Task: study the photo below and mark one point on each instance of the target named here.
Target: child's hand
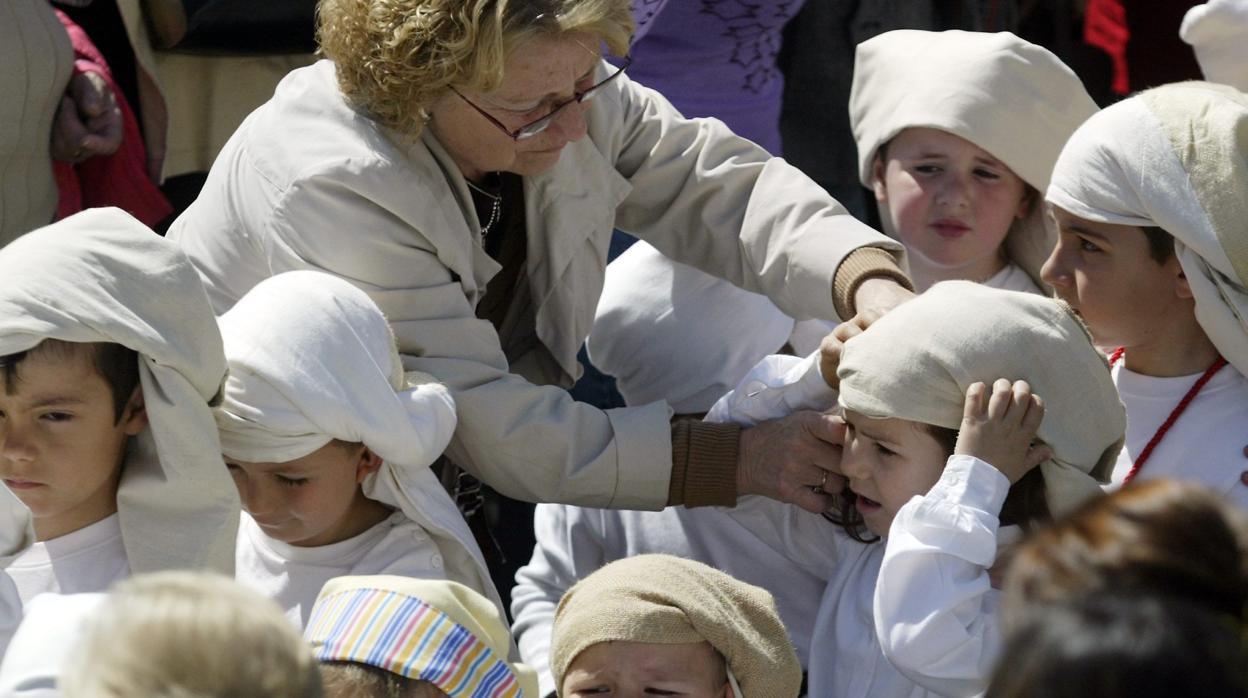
(1000, 429)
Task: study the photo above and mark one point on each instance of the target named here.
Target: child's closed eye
(292, 481)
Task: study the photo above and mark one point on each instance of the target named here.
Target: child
(917, 440)
(1153, 254)
(330, 445)
(110, 357)
(1156, 537)
(657, 624)
(957, 133)
(413, 638)
(188, 634)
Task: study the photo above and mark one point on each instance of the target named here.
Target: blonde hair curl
(396, 58)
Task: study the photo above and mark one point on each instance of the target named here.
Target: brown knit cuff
(704, 464)
(858, 266)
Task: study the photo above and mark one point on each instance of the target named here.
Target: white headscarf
(1175, 157)
(102, 276)
(36, 656)
(1218, 33)
(670, 332)
(1010, 97)
(917, 361)
(312, 359)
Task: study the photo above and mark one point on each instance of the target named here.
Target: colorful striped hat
(431, 630)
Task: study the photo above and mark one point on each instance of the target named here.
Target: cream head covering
(36, 656)
(426, 629)
(313, 359)
(667, 331)
(101, 276)
(917, 361)
(670, 600)
(1012, 98)
(1218, 33)
(1175, 157)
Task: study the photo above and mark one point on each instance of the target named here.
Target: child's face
(61, 446)
(949, 201)
(887, 462)
(640, 669)
(1107, 274)
(309, 501)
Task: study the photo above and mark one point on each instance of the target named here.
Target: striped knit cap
(425, 629)
(664, 599)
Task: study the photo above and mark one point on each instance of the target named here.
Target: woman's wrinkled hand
(795, 459)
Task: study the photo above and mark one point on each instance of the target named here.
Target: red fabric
(1105, 27)
(119, 179)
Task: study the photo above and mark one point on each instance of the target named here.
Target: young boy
(329, 444)
(957, 134)
(413, 638)
(1153, 254)
(110, 356)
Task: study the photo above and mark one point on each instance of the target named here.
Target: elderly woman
(465, 163)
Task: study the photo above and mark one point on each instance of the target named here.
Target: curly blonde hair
(395, 58)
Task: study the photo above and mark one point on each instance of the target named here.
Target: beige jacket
(307, 183)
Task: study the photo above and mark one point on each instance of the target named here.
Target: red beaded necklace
(1192, 392)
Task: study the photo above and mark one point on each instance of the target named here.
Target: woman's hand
(1001, 429)
(88, 121)
(795, 459)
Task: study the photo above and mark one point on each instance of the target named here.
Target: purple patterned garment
(716, 58)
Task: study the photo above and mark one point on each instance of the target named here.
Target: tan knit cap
(669, 600)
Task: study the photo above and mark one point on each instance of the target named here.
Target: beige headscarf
(1012, 98)
(917, 362)
(312, 359)
(1218, 33)
(670, 600)
(1175, 157)
(102, 276)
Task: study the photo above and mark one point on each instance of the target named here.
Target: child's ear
(367, 464)
(1024, 204)
(1182, 288)
(134, 415)
(877, 180)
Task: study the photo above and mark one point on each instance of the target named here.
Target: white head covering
(1175, 157)
(917, 361)
(667, 331)
(101, 276)
(36, 656)
(1218, 33)
(1012, 98)
(313, 359)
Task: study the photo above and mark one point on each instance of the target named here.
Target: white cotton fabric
(36, 657)
(93, 558)
(313, 359)
(1175, 157)
(667, 331)
(917, 362)
(1218, 33)
(101, 276)
(1010, 97)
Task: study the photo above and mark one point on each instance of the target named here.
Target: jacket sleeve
(715, 201)
(571, 544)
(935, 610)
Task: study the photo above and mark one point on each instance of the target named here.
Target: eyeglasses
(535, 127)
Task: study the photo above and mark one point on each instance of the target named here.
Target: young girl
(330, 443)
(957, 132)
(941, 477)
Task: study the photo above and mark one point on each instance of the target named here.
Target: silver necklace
(496, 205)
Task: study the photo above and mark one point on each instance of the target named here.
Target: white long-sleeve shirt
(928, 627)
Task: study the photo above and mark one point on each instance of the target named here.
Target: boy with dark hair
(110, 356)
(1153, 254)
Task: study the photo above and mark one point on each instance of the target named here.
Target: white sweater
(1205, 445)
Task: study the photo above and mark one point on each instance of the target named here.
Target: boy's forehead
(52, 366)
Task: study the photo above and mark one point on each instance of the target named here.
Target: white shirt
(89, 559)
(936, 616)
(1013, 278)
(573, 542)
(1206, 444)
(293, 576)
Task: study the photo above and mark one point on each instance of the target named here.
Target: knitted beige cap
(669, 600)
